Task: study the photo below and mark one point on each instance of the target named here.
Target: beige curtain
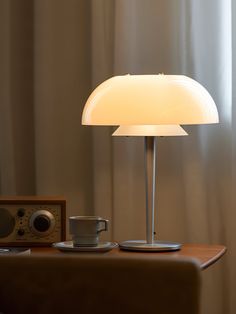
(194, 174)
(53, 52)
(45, 79)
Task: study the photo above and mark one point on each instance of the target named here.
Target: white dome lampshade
(149, 100)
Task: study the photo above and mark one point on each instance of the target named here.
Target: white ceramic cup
(85, 229)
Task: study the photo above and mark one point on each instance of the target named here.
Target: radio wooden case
(32, 220)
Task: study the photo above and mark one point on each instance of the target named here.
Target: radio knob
(21, 232)
(7, 223)
(21, 212)
(42, 223)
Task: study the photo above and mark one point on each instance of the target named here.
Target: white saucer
(68, 246)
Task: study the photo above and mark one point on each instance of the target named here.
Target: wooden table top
(205, 254)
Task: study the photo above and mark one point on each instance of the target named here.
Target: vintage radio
(32, 220)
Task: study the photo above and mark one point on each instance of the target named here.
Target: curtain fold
(17, 88)
(63, 148)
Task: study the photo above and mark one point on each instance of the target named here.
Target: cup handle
(104, 225)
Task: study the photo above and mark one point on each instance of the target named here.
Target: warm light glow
(149, 130)
(149, 100)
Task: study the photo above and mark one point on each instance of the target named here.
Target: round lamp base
(143, 246)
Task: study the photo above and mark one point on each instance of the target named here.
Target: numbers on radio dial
(42, 223)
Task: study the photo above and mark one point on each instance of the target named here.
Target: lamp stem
(150, 143)
(150, 245)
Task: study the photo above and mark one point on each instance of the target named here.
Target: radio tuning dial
(7, 223)
(42, 222)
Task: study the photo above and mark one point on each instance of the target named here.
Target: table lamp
(149, 106)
